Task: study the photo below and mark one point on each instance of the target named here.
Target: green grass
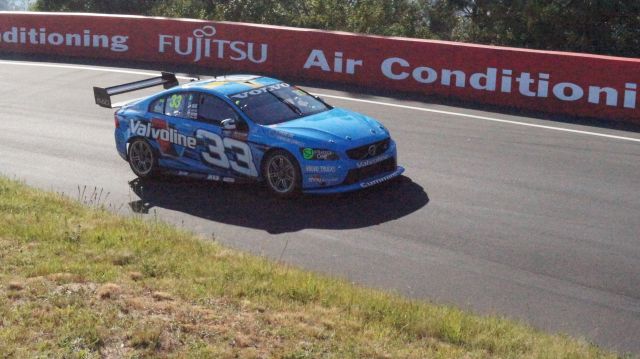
(83, 282)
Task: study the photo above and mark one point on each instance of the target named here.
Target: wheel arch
(297, 187)
(133, 138)
(275, 149)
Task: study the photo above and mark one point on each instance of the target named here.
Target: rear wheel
(142, 158)
(282, 174)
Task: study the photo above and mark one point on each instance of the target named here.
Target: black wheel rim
(281, 174)
(141, 158)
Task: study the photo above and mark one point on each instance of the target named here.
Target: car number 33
(215, 153)
(250, 129)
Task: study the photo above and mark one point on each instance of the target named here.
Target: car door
(223, 135)
(170, 130)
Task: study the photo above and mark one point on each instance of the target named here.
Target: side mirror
(228, 124)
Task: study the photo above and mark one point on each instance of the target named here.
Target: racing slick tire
(142, 158)
(282, 174)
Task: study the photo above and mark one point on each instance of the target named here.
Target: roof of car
(231, 84)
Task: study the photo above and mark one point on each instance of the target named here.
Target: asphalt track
(529, 218)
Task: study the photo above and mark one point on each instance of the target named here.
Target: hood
(339, 125)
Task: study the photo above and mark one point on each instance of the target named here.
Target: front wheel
(142, 158)
(282, 174)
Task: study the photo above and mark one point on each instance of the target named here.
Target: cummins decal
(380, 180)
(203, 45)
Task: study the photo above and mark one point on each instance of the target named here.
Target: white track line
(450, 113)
(89, 68)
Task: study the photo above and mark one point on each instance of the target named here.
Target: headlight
(318, 154)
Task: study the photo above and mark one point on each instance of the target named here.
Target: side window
(182, 104)
(214, 110)
(157, 106)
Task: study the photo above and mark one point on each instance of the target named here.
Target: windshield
(277, 103)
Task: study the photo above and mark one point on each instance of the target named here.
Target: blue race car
(250, 128)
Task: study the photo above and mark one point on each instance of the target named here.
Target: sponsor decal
(272, 132)
(318, 154)
(324, 155)
(103, 101)
(238, 135)
(372, 161)
(307, 153)
(284, 137)
(322, 180)
(84, 38)
(379, 180)
(320, 169)
(218, 178)
(289, 140)
(203, 45)
(507, 81)
(170, 135)
(260, 91)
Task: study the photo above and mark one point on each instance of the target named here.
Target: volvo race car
(250, 128)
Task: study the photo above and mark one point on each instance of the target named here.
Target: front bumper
(369, 182)
(347, 174)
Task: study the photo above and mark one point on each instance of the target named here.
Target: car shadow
(254, 207)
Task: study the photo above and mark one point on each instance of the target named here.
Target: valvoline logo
(166, 136)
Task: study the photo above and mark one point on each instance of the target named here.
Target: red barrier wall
(554, 82)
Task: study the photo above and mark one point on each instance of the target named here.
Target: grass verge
(83, 282)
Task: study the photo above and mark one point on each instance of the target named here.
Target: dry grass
(161, 296)
(136, 276)
(109, 291)
(78, 282)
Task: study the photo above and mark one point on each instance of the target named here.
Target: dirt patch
(15, 286)
(5, 243)
(123, 258)
(109, 291)
(73, 288)
(115, 350)
(160, 296)
(136, 276)
(65, 278)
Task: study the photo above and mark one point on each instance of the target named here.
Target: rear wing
(103, 95)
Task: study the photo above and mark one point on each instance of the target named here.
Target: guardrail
(554, 82)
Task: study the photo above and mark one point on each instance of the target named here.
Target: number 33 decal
(215, 154)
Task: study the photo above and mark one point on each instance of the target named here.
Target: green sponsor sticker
(307, 153)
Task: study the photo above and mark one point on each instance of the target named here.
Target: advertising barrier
(553, 82)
